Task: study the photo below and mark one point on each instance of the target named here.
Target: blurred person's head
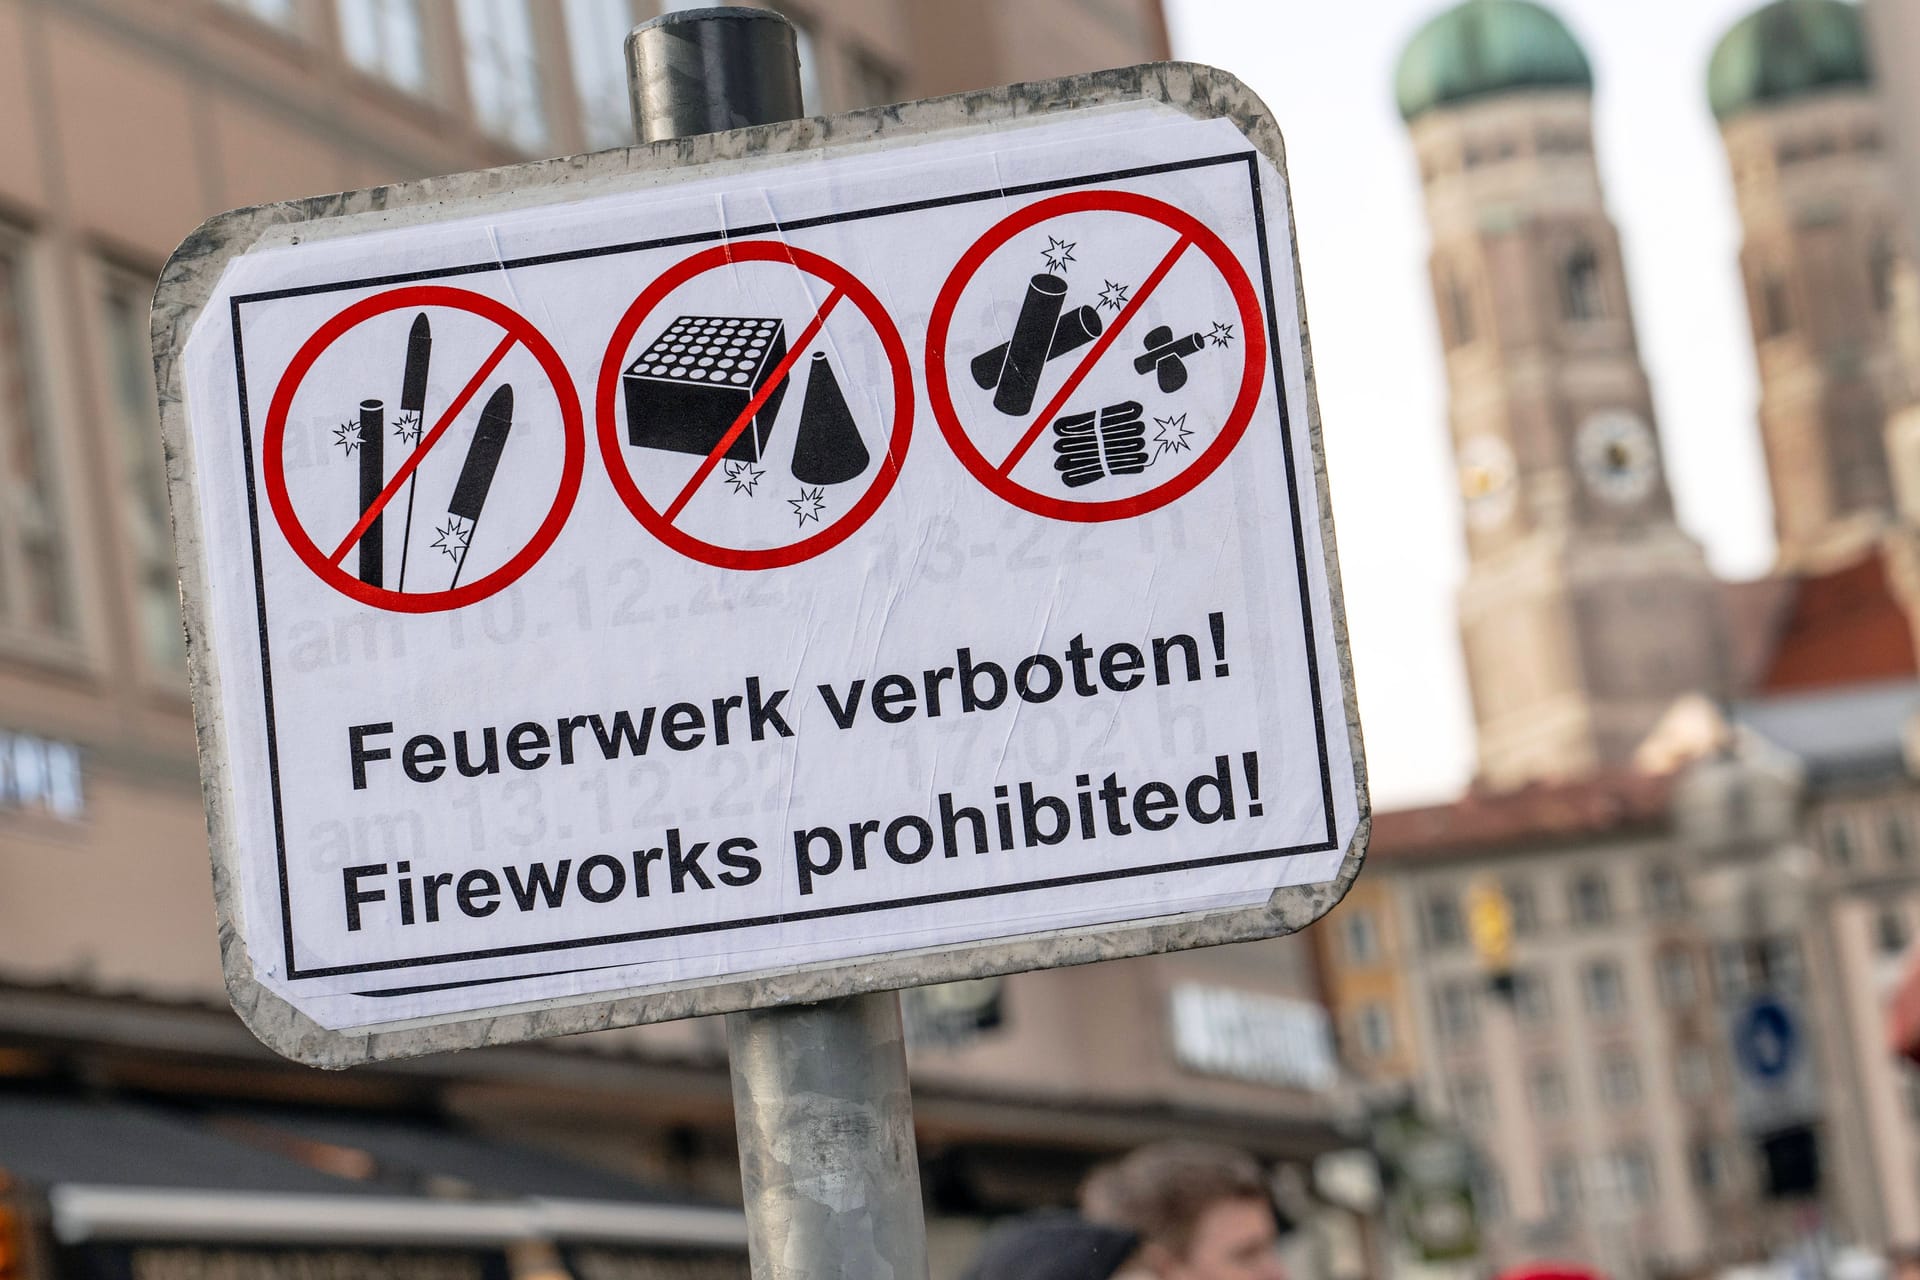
(1052, 1246)
(1203, 1212)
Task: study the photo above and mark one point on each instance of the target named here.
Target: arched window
(1880, 268)
(1776, 314)
(1457, 303)
(1580, 296)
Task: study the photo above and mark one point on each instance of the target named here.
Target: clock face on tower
(1617, 456)
(1487, 481)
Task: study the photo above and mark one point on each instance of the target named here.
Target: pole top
(714, 13)
(705, 70)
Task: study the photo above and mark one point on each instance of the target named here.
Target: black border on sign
(1249, 158)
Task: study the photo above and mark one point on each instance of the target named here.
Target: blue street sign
(1766, 1041)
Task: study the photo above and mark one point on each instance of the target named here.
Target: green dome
(1789, 48)
(1485, 47)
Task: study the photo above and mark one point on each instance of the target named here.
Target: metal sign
(812, 559)
(1777, 1082)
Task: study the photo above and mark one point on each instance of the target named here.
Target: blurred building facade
(1669, 1046)
(1586, 609)
(127, 122)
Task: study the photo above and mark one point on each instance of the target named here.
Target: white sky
(1326, 72)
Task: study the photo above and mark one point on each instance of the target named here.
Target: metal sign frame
(189, 280)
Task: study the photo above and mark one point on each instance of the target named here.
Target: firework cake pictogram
(690, 385)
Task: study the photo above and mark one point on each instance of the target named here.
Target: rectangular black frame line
(1249, 158)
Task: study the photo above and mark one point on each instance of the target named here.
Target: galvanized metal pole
(820, 1094)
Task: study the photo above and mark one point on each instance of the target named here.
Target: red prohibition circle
(1252, 328)
(606, 394)
(273, 448)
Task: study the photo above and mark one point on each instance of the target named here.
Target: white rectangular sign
(800, 572)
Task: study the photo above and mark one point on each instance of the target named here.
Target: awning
(116, 1171)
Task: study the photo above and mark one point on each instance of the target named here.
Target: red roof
(1542, 812)
(1843, 627)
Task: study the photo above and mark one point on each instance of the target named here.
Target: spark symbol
(347, 436)
(1114, 295)
(743, 476)
(407, 428)
(1221, 333)
(1058, 253)
(1173, 436)
(452, 536)
(809, 504)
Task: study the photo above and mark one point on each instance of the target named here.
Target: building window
(1839, 841)
(1620, 1079)
(385, 38)
(1708, 1160)
(1523, 910)
(1632, 1175)
(33, 589)
(1666, 892)
(1473, 1102)
(1786, 968)
(1359, 939)
(1732, 970)
(1456, 1012)
(1679, 986)
(1532, 997)
(503, 70)
(1562, 1185)
(1489, 1192)
(874, 82)
(1890, 931)
(1776, 315)
(1693, 1073)
(1591, 901)
(1547, 1090)
(1605, 993)
(596, 42)
(1440, 921)
(1580, 293)
(1373, 1031)
(1456, 310)
(275, 13)
(143, 503)
(1897, 833)
(1882, 265)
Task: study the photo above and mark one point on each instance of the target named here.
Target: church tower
(1820, 213)
(1586, 610)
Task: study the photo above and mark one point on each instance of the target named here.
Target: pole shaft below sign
(829, 1172)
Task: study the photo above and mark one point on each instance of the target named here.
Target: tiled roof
(1543, 813)
(1844, 627)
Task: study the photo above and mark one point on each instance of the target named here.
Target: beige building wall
(1571, 1090)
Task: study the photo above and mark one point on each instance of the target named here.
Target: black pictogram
(373, 478)
(827, 448)
(413, 414)
(1073, 330)
(1099, 456)
(360, 338)
(1040, 333)
(845, 453)
(1166, 355)
(686, 391)
(1088, 447)
(476, 471)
